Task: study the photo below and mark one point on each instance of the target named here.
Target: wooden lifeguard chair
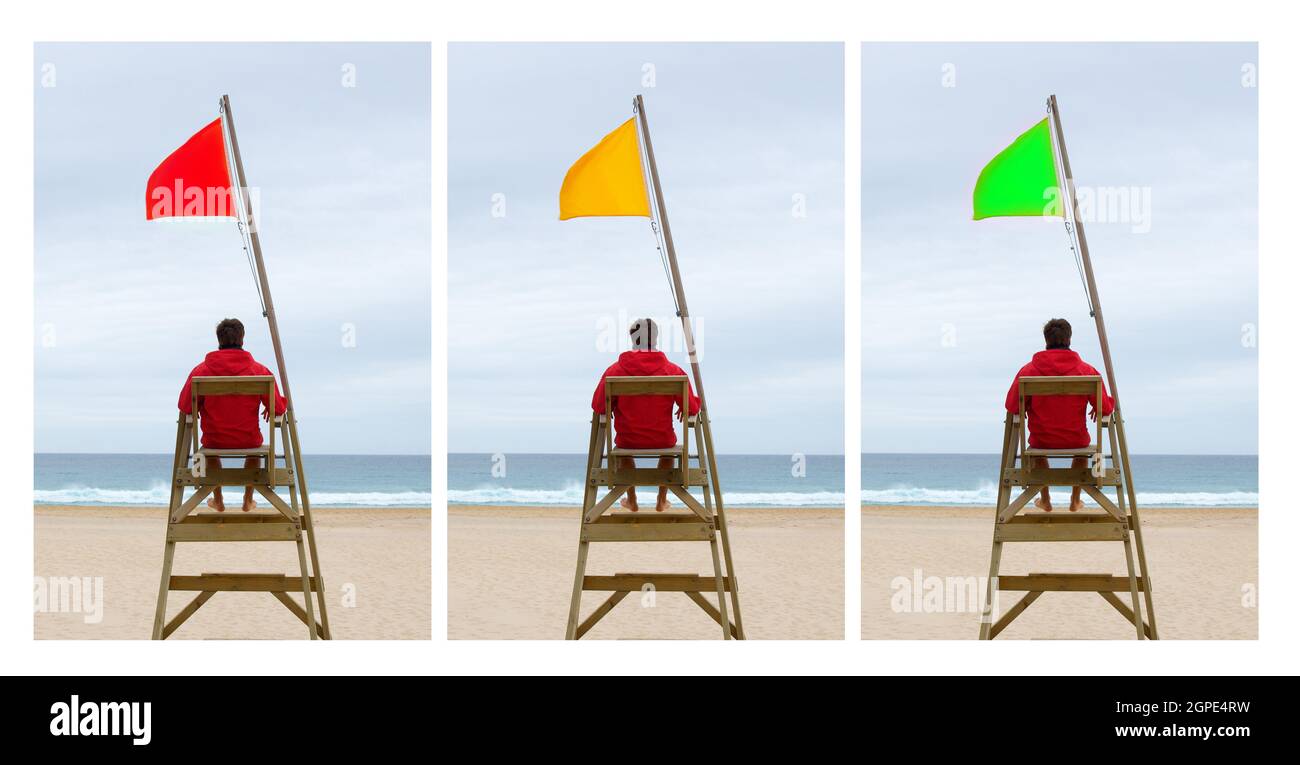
(706, 521)
(1117, 523)
(290, 523)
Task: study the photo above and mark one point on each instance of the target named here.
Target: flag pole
(264, 284)
(703, 418)
(678, 289)
(1117, 418)
(268, 310)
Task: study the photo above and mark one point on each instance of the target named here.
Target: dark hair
(645, 334)
(230, 334)
(1057, 334)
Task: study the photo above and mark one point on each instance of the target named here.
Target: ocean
(1175, 480)
(887, 479)
(333, 480)
(748, 480)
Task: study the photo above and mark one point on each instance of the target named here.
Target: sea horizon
(139, 478)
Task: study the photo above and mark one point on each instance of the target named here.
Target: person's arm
(1013, 395)
(184, 403)
(598, 398)
(1107, 402)
(694, 399)
(281, 405)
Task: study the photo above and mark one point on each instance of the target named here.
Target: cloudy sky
(125, 308)
(953, 307)
(749, 141)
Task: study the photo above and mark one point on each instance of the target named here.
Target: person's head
(645, 335)
(230, 334)
(1057, 333)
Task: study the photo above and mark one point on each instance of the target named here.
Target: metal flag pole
(1117, 420)
(679, 293)
(268, 310)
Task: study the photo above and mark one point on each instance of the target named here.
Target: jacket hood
(231, 362)
(1056, 362)
(643, 362)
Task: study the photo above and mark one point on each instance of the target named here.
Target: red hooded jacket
(1057, 422)
(229, 422)
(643, 422)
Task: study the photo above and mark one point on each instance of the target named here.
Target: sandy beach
(379, 555)
(1204, 568)
(510, 572)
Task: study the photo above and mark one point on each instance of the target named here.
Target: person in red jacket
(1058, 422)
(644, 422)
(230, 422)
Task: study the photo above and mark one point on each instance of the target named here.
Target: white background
(664, 20)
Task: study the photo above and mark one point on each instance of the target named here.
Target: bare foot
(217, 503)
(662, 504)
(249, 504)
(628, 504)
(1046, 507)
(1076, 505)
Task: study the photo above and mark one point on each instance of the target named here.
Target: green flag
(1021, 179)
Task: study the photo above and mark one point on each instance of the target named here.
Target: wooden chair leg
(722, 592)
(1133, 586)
(986, 618)
(160, 614)
(306, 590)
(571, 630)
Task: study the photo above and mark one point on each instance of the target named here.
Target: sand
(510, 572)
(379, 555)
(1204, 566)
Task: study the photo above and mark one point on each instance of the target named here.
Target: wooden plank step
(1058, 477)
(660, 582)
(226, 530)
(647, 531)
(1067, 583)
(1060, 532)
(210, 582)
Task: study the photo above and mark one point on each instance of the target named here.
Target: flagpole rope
(655, 228)
(1067, 215)
(241, 216)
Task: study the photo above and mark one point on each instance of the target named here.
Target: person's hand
(1092, 413)
(266, 414)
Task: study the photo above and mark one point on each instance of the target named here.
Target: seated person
(1058, 422)
(644, 422)
(230, 422)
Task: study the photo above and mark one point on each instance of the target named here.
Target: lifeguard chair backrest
(262, 386)
(1071, 385)
(659, 385)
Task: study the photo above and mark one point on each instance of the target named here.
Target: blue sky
(125, 308)
(742, 133)
(953, 307)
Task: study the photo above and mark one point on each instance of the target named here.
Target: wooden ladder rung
(660, 582)
(1067, 583)
(644, 530)
(213, 582)
(1098, 531)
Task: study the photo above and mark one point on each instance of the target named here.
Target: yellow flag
(607, 180)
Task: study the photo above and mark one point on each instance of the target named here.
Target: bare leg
(1044, 502)
(254, 463)
(661, 503)
(1076, 502)
(216, 502)
(628, 502)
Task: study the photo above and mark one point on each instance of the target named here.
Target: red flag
(194, 180)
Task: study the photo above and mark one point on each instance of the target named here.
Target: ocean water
(333, 480)
(1175, 480)
(887, 479)
(748, 480)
